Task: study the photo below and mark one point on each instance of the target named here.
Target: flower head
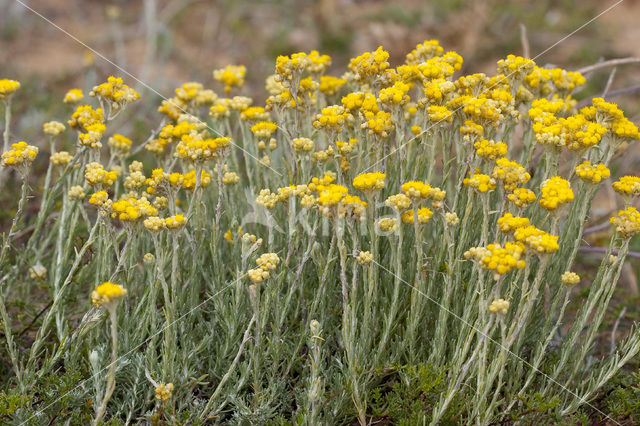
(107, 294)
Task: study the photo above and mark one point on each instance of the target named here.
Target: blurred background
(166, 42)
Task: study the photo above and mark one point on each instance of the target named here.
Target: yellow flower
(555, 192)
(163, 392)
(107, 293)
(331, 118)
(115, 91)
(369, 65)
(490, 150)
(77, 193)
(195, 148)
(498, 259)
(499, 306)
(120, 144)
(399, 202)
(592, 173)
(73, 96)
(154, 223)
(451, 218)
(379, 124)
(331, 85)
(132, 209)
(508, 223)
(264, 129)
(522, 197)
(364, 257)
(60, 158)
(423, 214)
(175, 222)
(423, 51)
(570, 278)
(53, 128)
(480, 182)
(628, 186)
(96, 175)
(230, 76)
(254, 113)
(537, 239)
(21, 155)
(369, 181)
(388, 224)
(627, 222)
(510, 173)
(8, 87)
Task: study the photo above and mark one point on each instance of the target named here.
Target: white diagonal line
(495, 84)
(77, 40)
(493, 340)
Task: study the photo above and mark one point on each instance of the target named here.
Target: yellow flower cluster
(73, 96)
(522, 197)
(369, 65)
(132, 209)
(438, 114)
(264, 129)
(480, 182)
(592, 173)
(423, 51)
(8, 87)
(98, 199)
(555, 192)
(420, 190)
(120, 144)
(570, 278)
(331, 118)
(388, 224)
(365, 102)
(290, 68)
(76, 192)
(395, 95)
(364, 257)
(115, 91)
(163, 392)
(107, 293)
(499, 306)
(451, 218)
(399, 202)
(189, 180)
(508, 223)
(538, 240)
(267, 262)
(379, 124)
(197, 149)
(303, 145)
(53, 128)
(369, 181)
(254, 113)
(515, 68)
(627, 222)
(96, 175)
(490, 150)
(628, 186)
(330, 85)
(498, 259)
(20, 155)
(61, 158)
(510, 173)
(230, 76)
(423, 215)
(175, 222)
